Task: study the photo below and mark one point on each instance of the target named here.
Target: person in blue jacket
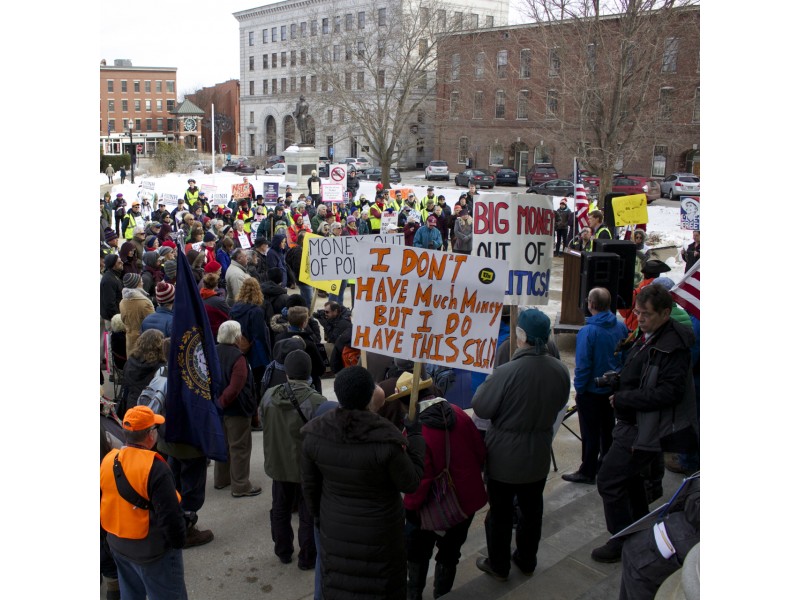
(595, 355)
(428, 237)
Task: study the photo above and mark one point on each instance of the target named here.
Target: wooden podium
(571, 318)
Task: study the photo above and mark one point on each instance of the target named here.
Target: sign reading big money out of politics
(429, 306)
(517, 229)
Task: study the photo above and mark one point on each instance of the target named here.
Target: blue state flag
(193, 415)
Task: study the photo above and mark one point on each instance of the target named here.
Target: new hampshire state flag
(192, 414)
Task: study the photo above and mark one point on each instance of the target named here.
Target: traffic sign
(138, 147)
(224, 146)
(338, 173)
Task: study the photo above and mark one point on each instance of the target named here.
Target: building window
(480, 61)
(454, 104)
(283, 59)
(170, 105)
(137, 105)
(381, 49)
(330, 116)
(274, 86)
(348, 51)
(522, 104)
(325, 26)
(496, 155)
(293, 31)
(423, 48)
(341, 115)
(362, 19)
(337, 24)
(455, 67)
(110, 106)
(525, 63)
(696, 111)
(348, 80)
(665, 104)
(303, 29)
(265, 87)
(348, 22)
(502, 64)
(159, 105)
(250, 38)
(360, 80)
(362, 50)
(422, 82)
(302, 57)
(477, 105)
(136, 87)
(591, 57)
(252, 117)
(171, 86)
(274, 60)
(264, 36)
(489, 21)
(283, 85)
(265, 61)
(458, 21)
(314, 27)
(170, 124)
(293, 84)
(148, 105)
(274, 34)
(283, 33)
(110, 85)
(124, 106)
(552, 104)
(420, 145)
(381, 79)
(251, 63)
(463, 150)
(148, 123)
(500, 105)
(659, 167)
(252, 88)
(475, 20)
(421, 117)
(337, 53)
(303, 83)
(293, 58)
(159, 124)
(324, 83)
(554, 63)
(669, 63)
(138, 124)
(441, 19)
(381, 17)
(112, 125)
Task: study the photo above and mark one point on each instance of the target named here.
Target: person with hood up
(152, 273)
(285, 408)
(133, 308)
(462, 232)
(297, 318)
(128, 255)
(276, 259)
(248, 312)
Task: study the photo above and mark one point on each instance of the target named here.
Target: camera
(609, 379)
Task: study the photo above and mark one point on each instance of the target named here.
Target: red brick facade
(225, 97)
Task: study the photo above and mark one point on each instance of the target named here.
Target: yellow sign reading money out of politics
(332, 287)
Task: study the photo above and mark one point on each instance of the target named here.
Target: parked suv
(359, 164)
(539, 173)
(437, 169)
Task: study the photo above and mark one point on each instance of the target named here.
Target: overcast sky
(200, 38)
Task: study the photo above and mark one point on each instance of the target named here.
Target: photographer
(655, 410)
(594, 356)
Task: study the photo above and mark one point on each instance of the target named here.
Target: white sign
(388, 219)
(148, 189)
(244, 240)
(334, 257)
(218, 198)
(338, 173)
(424, 305)
(518, 229)
(690, 213)
(314, 188)
(332, 192)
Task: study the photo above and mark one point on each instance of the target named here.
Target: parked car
(374, 174)
(359, 164)
(506, 176)
(239, 167)
(277, 169)
(680, 184)
(589, 178)
(476, 176)
(539, 173)
(437, 169)
(554, 187)
(271, 160)
(636, 184)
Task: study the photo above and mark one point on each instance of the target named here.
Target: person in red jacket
(441, 421)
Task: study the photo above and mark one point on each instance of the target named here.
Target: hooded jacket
(276, 258)
(136, 375)
(254, 328)
(133, 308)
(110, 291)
(594, 351)
(355, 464)
(234, 277)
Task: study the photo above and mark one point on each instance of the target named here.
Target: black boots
(417, 572)
(443, 578)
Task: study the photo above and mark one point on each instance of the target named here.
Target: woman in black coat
(146, 358)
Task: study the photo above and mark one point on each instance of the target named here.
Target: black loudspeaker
(626, 250)
(599, 269)
(608, 210)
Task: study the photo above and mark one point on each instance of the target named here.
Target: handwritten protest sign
(518, 229)
(330, 286)
(629, 210)
(388, 219)
(334, 257)
(426, 305)
(332, 192)
(690, 213)
(240, 190)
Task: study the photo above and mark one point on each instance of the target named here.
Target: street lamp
(132, 148)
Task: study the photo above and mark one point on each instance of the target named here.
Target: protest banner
(208, 189)
(333, 257)
(629, 210)
(388, 219)
(169, 199)
(690, 213)
(271, 192)
(424, 305)
(240, 190)
(148, 190)
(332, 192)
(518, 229)
(217, 198)
(330, 286)
(399, 194)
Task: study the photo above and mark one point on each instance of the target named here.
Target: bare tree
(610, 74)
(377, 79)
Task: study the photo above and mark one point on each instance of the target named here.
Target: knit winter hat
(285, 347)
(110, 260)
(165, 292)
(171, 269)
(131, 280)
(212, 267)
(169, 244)
(164, 250)
(150, 259)
(148, 243)
(110, 234)
(298, 365)
(209, 237)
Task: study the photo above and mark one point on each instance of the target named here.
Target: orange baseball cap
(140, 418)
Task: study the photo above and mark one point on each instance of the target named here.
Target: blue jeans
(307, 293)
(159, 580)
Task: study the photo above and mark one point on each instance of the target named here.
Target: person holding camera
(594, 357)
(140, 511)
(655, 410)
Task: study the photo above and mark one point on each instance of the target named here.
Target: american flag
(581, 201)
(686, 292)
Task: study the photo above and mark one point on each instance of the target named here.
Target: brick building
(225, 97)
(517, 95)
(144, 95)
